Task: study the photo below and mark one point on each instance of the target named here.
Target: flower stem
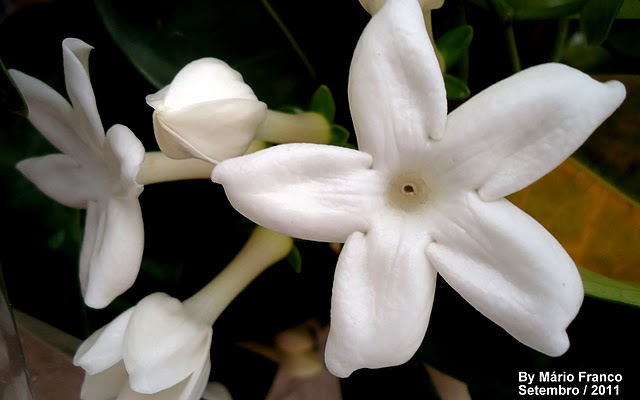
(280, 127)
(511, 46)
(263, 249)
(159, 168)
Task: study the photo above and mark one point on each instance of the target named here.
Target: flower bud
(207, 112)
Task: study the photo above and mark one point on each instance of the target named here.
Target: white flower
(373, 6)
(95, 172)
(154, 348)
(207, 112)
(425, 195)
(160, 348)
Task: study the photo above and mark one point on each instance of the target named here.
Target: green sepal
(11, 99)
(602, 287)
(596, 19)
(456, 88)
(340, 136)
(322, 102)
(294, 258)
(454, 44)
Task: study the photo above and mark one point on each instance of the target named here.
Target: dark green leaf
(339, 136)
(630, 10)
(596, 19)
(161, 37)
(322, 102)
(10, 98)
(605, 288)
(294, 258)
(532, 9)
(456, 88)
(454, 44)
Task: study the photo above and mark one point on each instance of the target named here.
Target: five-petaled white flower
(156, 348)
(425, 195)
(95, 172)
(207, 112)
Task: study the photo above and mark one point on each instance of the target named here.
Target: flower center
(408, 191)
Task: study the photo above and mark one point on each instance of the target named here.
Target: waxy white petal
(508, 267)
(382, 295)
(52, 116)
(124, 155)
(103, 349)
(111, 249)
(163, 346)
(75, 55)
(372, 6)
(396, 89)
(63, 179)
(309, 191)
(519, 129)
(203, 80)
(106, 385)
(212, 131)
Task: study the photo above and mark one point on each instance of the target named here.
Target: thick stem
(159, 168)
(263, 249)
(280, 127)
(511, 46)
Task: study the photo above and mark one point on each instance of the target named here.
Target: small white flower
(154, 348)
(95, 172)
(207, 112)
(425, 195)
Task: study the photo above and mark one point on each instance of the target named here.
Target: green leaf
(322, 102)
(597, 17)
(630, 10)
(599, 286)
(454, 44)
(340, 136)
(532, 9)
(162, 36)
(10, 98)
(294, 258)
(456, 88)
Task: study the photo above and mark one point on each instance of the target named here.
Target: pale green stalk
(159, 168)
(263, 249)
(308, 127)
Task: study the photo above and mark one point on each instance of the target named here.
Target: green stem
(159, 168)
(280, 127)
(511, 46)
(561, 38)
(263, 249)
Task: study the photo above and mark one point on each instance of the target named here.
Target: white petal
(519, 129)
(52, 116)
(204, 80)
(75, 54)
(212, 131)
(63, 179)
(103, 349)
(106, 385)
(111, 249)
(372, 6)
(509, 268)
(308, 191)
(382, 296)
(163, 345)
(396, 89)
(124, 155)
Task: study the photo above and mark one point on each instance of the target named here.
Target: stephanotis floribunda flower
(94, 171)
(207, 112)
(372, 6)
(160, 349)
(425, 195)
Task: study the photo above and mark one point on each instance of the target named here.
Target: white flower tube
(207, 112)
